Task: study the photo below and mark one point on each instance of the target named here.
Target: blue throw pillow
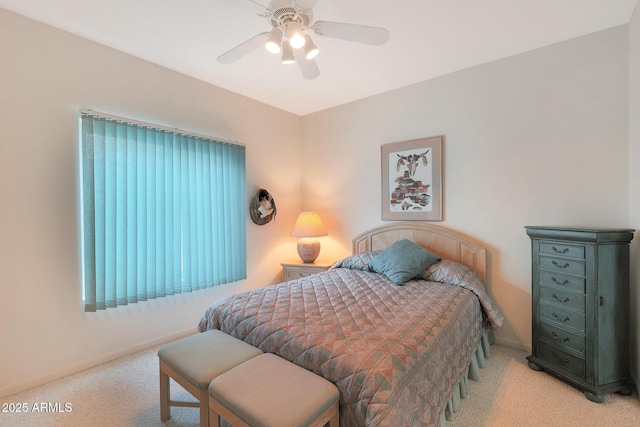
(403, 261)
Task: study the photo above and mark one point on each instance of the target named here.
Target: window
(163, 211)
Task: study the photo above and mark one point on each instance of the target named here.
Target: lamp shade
(287, 54)
(308, 224)
(274, 41)
(310, 49)
(293, 32)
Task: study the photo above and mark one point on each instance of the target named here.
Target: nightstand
(297, 269)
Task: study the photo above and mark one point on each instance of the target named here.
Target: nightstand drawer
(562, 359)
(562, 265)
(560, 249)
(562, 337)
(293, 274)
(298, 270)
(563, 317)
(563, 281)
(564, 299)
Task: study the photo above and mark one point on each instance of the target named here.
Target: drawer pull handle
(559, 360)
(564, 300)
(563, 251)
(557, 337)
(566, 264)
(558, 282)
(566, 319)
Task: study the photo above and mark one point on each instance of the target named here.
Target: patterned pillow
(403, 261)
(357, 261)
(456, 274)
(447, 271)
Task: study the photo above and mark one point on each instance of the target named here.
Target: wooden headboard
(443, 242)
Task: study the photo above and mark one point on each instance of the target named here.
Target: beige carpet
(125, 393)
(511, 394)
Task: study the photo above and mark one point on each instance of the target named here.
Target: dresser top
(586, 234)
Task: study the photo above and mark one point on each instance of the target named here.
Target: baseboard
(6, 391)
(513, 344)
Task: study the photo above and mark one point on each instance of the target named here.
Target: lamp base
(308, 249)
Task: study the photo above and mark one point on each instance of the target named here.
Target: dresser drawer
(562, 359)
(561, 298)
(563, 317)
(562, 265)
(563, 281)
(562, 337)
(561, 249)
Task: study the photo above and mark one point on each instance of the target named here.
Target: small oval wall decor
(263, 207)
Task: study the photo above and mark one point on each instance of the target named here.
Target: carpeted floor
(511, 394)
(125, 393)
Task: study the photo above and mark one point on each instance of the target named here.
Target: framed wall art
(412, 180)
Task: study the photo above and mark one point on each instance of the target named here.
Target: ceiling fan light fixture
(295, 35)
(287, 54)
(310, 49)
(274, 41)
(290, 21)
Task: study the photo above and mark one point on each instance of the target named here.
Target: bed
(400, 354)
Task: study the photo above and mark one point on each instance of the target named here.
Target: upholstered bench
(269, 391)
(193, 362)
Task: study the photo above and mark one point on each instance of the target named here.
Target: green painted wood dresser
(580, 307)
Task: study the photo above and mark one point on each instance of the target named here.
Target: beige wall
(46, 76)
(534, 139)
(634, 184)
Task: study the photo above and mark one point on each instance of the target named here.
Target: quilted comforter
(394, 352)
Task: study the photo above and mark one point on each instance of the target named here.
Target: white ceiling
(429, 38)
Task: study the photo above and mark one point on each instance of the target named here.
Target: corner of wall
(634, 185)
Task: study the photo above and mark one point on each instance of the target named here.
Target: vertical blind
(163, 212)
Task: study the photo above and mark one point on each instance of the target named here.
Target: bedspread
(394, 352)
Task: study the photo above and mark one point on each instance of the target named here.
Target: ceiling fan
(290, 20)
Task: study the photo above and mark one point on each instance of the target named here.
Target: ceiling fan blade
(305, 4)
(308, 67)
(251, 6)
(356, 33)
(243, 48)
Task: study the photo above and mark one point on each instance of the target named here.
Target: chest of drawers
(580, 307)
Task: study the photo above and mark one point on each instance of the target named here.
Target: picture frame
(412, 187)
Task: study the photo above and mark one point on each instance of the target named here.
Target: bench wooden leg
(335, 420)
(204, 408)
(214, 418)
(166, 374)
(217, 410)
(165, 410)
(331, 415)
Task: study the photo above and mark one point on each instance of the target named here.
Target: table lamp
(308, 225)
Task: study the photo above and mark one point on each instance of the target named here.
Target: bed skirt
(478, 360)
